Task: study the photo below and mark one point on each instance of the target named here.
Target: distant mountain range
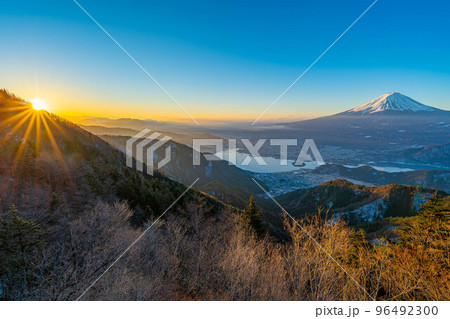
(180, 137)
(137, 124)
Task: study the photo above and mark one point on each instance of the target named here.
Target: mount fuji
(392, 120)
(391, 102)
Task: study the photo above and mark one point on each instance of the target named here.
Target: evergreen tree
(431, 228)
(252, 217)
(19, 238)
(359, 244)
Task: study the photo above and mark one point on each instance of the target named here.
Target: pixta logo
(253, 151)
(142, 147)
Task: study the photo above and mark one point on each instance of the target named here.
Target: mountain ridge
(357, 203)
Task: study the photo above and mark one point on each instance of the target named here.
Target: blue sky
(223, 59)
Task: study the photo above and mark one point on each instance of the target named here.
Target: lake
(273, 165)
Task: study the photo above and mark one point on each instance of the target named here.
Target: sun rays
(24, 124)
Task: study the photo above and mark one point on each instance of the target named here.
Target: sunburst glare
(39, 104)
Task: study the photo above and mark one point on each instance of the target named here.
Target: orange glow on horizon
(76, 108)
(176, 117)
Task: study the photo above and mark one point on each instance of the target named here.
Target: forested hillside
(229, 183)
(48, 163)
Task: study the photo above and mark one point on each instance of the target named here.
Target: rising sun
(38, 104)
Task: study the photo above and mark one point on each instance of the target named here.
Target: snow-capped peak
(392, 102)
